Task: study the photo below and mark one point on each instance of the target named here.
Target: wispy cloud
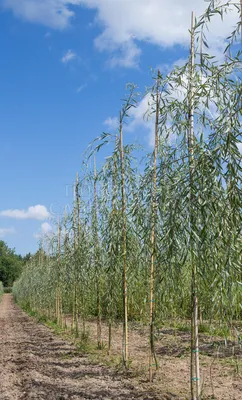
(111, 123)
(6, 231)
(70, 55)
(81, 88)
(38, 212)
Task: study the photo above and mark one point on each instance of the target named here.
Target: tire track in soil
(35, 364)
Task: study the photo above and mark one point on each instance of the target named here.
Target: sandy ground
(35, 364)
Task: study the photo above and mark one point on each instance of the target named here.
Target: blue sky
(63, 70)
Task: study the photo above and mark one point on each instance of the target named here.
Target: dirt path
(35, 364)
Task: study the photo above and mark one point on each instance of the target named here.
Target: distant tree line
(11, 264)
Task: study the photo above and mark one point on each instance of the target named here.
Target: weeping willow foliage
(80, 270)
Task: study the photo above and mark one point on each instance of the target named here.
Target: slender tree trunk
(113, 216)
(109, 336)
(75, 272)
(65, 261)
(124, 250)
(152, 357)
(195, 370)
(48, 248)
(99, 318)
(58, 289)
(97, 263)
(241, 18)
(83, 311)
(77, 243)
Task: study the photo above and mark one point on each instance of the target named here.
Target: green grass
(183, 328)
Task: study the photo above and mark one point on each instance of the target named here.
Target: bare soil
(36, 364)
(220, 361)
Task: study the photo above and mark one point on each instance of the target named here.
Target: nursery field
(142, 272)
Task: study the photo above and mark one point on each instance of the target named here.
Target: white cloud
(6, 231)
(128, 55)
(111, 123)
(46, 229)
(68, 56)
(126, 23)
(55, 14)
(143, 117)
(38, 212)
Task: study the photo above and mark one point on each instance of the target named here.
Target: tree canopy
(10, 264)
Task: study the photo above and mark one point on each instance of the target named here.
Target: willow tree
(152, 357)
(111, 232)
(195, 370)
(124, 244)
(188, 116)
(58, 286)
(97, 256)
(76, 238)
(129, 103)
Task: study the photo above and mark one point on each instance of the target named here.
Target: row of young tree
(161, 238)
